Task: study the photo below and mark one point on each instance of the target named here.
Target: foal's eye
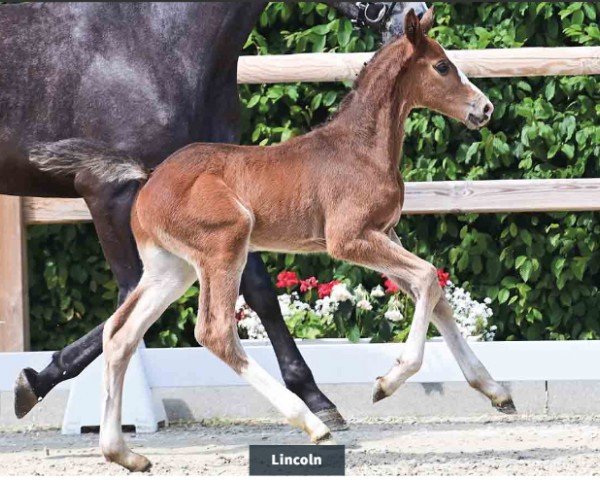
(442, 67)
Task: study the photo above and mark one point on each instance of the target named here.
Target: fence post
(14, 304)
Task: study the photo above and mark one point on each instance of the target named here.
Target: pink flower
(287, 279)
(308, 284)
(390, 286)
(443, 277)
(324, 289)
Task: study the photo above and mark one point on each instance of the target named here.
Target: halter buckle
(373, 18)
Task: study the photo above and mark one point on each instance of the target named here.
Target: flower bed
(335, 309)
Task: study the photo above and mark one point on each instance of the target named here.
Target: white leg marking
(289, 404)
(474, 371)
(165, 279)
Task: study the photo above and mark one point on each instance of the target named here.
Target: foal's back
(273, 186)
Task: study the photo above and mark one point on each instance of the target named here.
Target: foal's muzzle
(480, 115)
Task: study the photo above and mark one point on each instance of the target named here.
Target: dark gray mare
(86, 87)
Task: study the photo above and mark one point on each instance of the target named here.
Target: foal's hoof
(131, 461)
(324, 439)
(25, 396)
(332, 418)
(507, 406)
(138, 463)
(379, 392)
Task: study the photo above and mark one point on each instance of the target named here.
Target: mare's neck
(375, 111)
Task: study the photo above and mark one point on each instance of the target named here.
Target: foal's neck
(375, 111)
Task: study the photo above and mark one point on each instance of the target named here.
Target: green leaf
(578, 266)
(568, 150)
(525, 270)
(353, 333)
(503, 295)
(344, 32)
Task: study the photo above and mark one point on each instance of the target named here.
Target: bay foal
(337, 189)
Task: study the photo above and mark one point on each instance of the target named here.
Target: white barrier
(332, 362)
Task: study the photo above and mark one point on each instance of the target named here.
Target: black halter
(373, 14)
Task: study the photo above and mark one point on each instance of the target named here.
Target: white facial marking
(463, 78)
(465, 81)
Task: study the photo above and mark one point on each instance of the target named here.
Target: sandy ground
(483, 446)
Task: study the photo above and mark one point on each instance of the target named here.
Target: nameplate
(297, 459)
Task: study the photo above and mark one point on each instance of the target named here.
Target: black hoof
(332, 418)
(25, 396)
(507, 407)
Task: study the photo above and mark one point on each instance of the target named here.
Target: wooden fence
(421, 197)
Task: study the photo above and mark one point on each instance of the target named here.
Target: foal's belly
(309, 245)
(285, 236)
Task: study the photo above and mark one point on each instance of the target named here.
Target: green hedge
(541, 270)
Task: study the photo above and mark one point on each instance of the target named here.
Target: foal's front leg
(258, 292)
(217, 330)
(415, 276)
(474, 371)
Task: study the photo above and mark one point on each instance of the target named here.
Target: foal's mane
(400, 47)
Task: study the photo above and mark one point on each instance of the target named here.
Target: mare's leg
(110, 205)
(166, 278)
(257, 289)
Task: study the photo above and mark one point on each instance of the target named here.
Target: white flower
(284, 304)
(394, 303)
(298, 305)
(471, 316)
(394, 315)
(378, 292)
(240, 303)
(361, 293)
(254, 328)
(325, 306)
(487, 300)
(364, 304)
(340, 293)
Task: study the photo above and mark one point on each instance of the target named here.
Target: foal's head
(436, 83)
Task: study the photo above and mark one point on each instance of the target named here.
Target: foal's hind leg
(165, 279)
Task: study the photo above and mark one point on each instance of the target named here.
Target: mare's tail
(75, 155)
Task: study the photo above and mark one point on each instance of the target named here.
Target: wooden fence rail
(421, 197)
(508, 62)
(480, 196)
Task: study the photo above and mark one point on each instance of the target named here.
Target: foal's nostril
(488, 109)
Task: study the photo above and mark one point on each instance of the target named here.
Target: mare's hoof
(25, 396)
(506, 406)
(378, 391)
(332, 418)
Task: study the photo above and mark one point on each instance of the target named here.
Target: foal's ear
(427, 20)
(412, 28)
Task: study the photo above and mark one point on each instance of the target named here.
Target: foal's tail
(77, 155)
